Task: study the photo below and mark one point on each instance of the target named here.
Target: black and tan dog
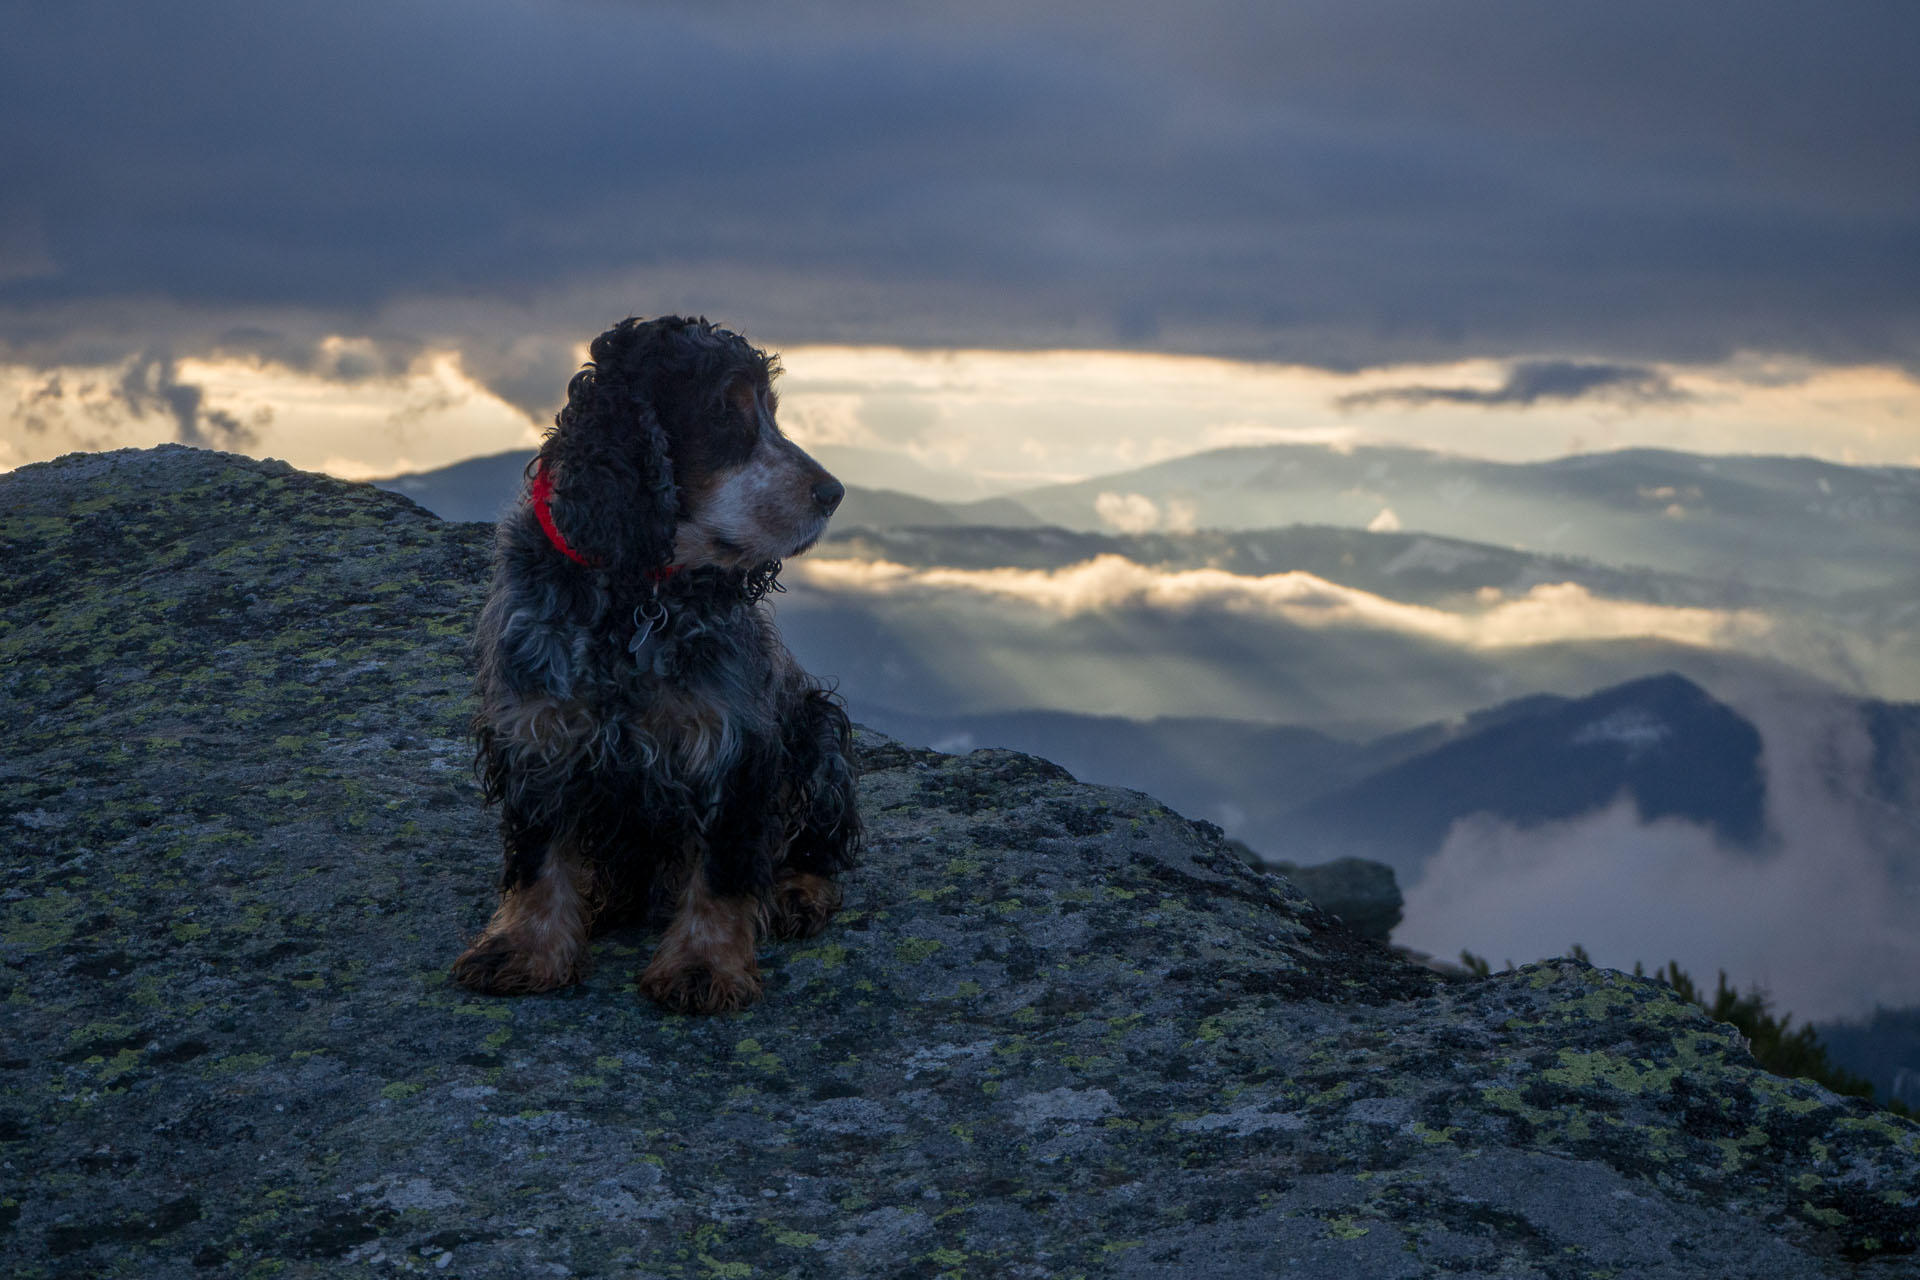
(654, 749)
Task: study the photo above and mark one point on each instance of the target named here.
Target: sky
(1016, 242)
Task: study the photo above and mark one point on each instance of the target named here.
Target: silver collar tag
(648, 618)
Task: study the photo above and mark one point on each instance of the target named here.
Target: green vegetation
(1776, 1046)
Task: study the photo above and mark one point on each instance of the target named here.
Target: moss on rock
(1059, 1030)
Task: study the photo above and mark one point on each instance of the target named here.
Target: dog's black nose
(827, 495)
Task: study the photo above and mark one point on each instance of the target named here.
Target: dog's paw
(497, 965)
(699, 988)
(802, 905)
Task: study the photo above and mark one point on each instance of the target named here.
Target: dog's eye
(739, 428)
(743, 399)
(737, 445)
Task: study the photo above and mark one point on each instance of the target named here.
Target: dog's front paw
(497, 965)
(802, 904)
(692, 987)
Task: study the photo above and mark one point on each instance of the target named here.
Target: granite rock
(1362, 893)
(1059, 1030)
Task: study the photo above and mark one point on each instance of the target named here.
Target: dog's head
(667, 453)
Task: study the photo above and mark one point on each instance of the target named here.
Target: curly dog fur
(654, 749)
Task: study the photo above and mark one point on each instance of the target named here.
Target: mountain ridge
(1796, 523)
(1824, 529)
(483, 488)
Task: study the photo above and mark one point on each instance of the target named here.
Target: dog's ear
(614, 499)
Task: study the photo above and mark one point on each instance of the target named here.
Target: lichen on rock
(1058, 1031)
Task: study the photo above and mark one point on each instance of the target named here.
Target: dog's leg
(820, 745)
(803, 903)
(537, 939)
(705, 963)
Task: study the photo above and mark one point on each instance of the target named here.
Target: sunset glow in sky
(1030, 241)
(1008, 419)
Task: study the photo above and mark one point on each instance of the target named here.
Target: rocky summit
(1059, 1031)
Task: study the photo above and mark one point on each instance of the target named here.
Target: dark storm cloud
(149, 384)
(1532, 381)
(1323, 182)
(307, 353)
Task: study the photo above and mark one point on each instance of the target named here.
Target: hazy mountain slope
(1252, 779)
(891, 469)
(886, 507)
(1794, 523)
(476, 489)
(1241, 776)
(1893, 728)
(1289, 791)
(1884, 1048)
(480, 488)
(1663, 740)
(1864, 637)
(1786, 522)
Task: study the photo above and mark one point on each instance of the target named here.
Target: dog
(655, 751)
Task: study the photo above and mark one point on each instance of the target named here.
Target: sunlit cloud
(344, 414)
(1822, 918)
(1546, 614)
(973, 421)
(1137, 513)
(1025, 418)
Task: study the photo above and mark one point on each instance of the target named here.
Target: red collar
(542, 495)
(543, 512)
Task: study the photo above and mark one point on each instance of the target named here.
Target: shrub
(1776, 1046)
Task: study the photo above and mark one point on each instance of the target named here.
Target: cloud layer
(1528, 382)
(1823, 919)
(1610, 184)
(1547, 614)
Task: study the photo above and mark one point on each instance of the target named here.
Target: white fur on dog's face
(763, 509)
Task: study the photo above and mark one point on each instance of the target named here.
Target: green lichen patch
(1057, 1031)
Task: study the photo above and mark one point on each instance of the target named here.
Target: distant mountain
(1884, 1049)
(959, 649)
(1846, 533)
(1247, 777)
(997, 532)
(481, 488)
(1893, 730)
(885, 509)
(476, 489)
(892, 469)
(1242, 776)
(1293, 793)
(1663, 740)
(1796, 523)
